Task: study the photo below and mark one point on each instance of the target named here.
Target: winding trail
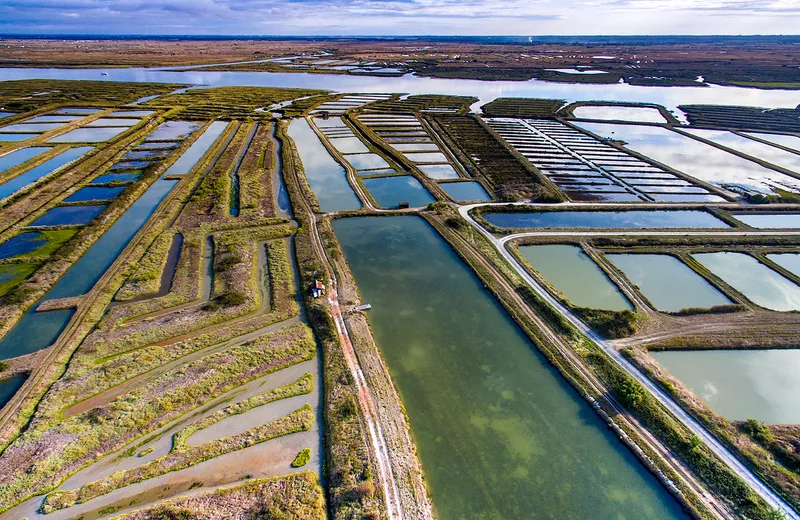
(772, 498)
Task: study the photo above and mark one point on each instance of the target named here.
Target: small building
(317, 289)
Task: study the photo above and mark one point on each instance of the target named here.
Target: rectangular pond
(389, 192)
(760, 284)
(615, 113)
(439, 171)
(115, 177)
(668, 283)
(499, 433)
(95, 193)
(172, 130)
(326, 177)
(31, 128)
(69, 216)
(30, 242)
(366, 161)
(741, 384)
(695, 158)
(29, 177)
(197, 150)
(771, 154)
(633, 219)
(789, 261)
(465, 191)
(576, 276)
(17, 157)
(769, 220)
(789, 141)
(105, 122)
(13, 138)
(52, 119)
(349, 145)
(426, 157)
(88, 135)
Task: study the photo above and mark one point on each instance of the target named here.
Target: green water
(741, 384)
(576, 276)
(760, 284)
(499, 433)
(667, 282)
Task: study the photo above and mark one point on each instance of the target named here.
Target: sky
(399, 17)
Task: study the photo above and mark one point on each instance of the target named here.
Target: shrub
(232, 298)
(3, 366)
(757, 431)
(302, 458)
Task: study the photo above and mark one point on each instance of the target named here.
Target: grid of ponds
(589, 170)
(345, 140)
(101, 129)
(37, 173)
(341, 105)
(759, 150)
(20, 156)
(406, 134)
(696, 158)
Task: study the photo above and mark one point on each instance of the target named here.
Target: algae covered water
(499, 432)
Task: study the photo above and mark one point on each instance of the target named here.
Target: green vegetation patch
(294, 496)
(181, 458)
(302, 458)
(28, 94)
(11, 275)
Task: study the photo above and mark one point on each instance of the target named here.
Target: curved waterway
(486, 91)
(500, 434)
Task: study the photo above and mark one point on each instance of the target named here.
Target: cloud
(402, 17)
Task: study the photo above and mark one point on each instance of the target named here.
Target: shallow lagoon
(326, 177)
(13, 138)
(756, 281)
(575, 275)
(612, 113)
(115, 177)
(606, 219)
(741, 384)
(9, 387)
(388, 192)
(22, 244)
(789, 261)
(499, 432)
(172, 130)
(439, 171)
(366, 161)
(668, 283)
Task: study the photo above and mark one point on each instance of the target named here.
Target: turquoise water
(605, 219)
(172, 130)
(186, 162)
(69, 216)
(741, 384)
(756, 281)
(465, 191)
(668, 283)
(326, 177)
(576, 276)
(499, 433)
(388, 192)
(20, 156)
(9, 387)
(37, 172)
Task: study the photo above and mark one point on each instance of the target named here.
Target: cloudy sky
(400, 17)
